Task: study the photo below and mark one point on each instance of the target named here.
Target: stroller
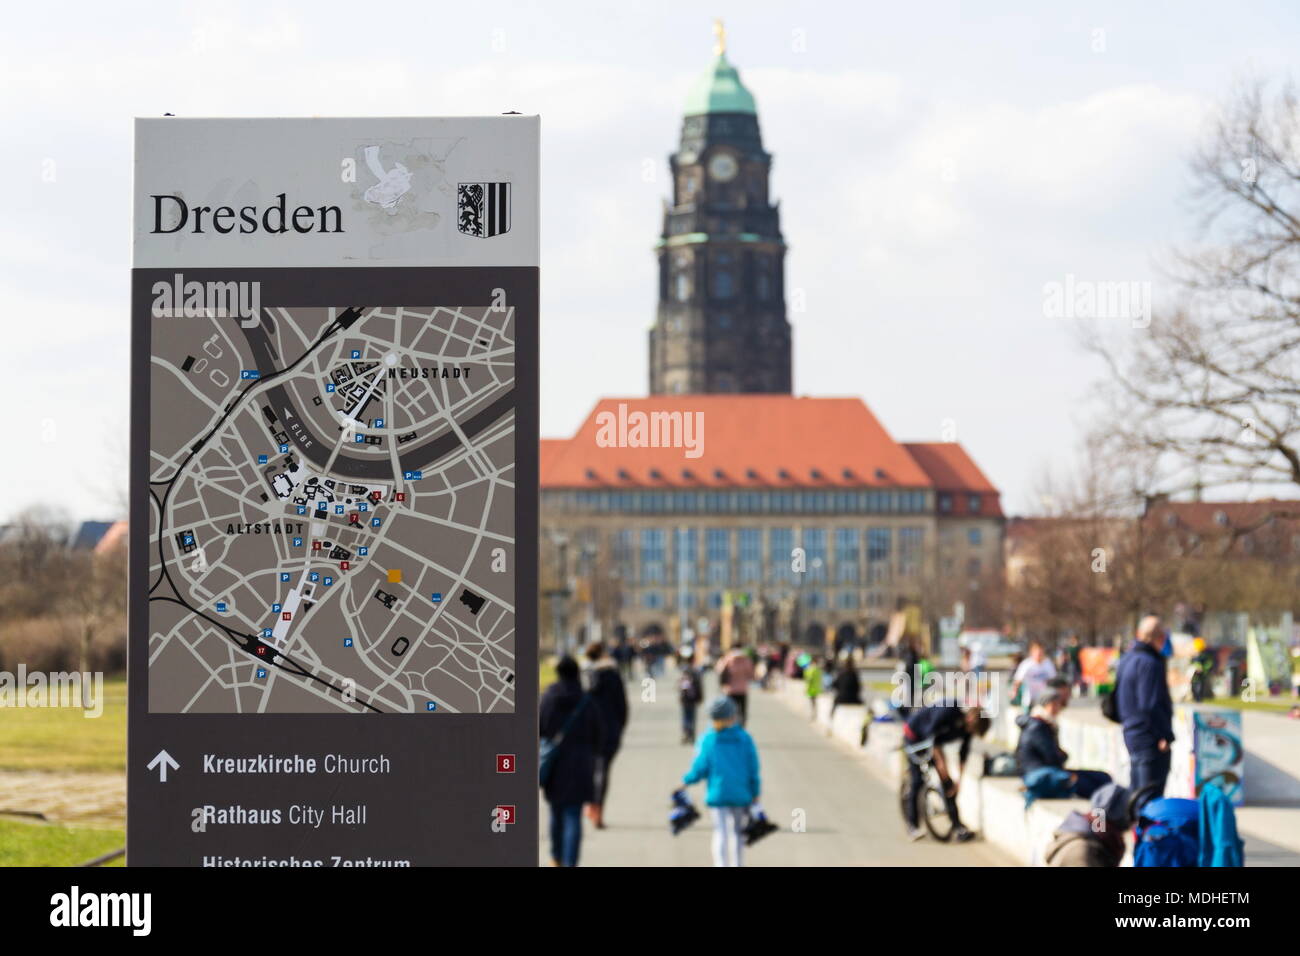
(1173, 831)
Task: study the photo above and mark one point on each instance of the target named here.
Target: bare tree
(1213, 386)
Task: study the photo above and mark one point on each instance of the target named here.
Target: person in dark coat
(606, 689)
(1145, 710)
(572, 778)
(847, 687)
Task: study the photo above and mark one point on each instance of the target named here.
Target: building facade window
(814, 546)
(973, 504)
(686, 554)
(974, 537)
(723, 285)
(879, 541)
(653, 557)
(780, 545)
(652, 600)
(750, 548)
(846, 555)
(717, 553)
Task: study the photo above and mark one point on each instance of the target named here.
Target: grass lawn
(39, 844)
(63, 738)
(1274, 705)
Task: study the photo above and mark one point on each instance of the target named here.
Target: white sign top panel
(406, 191)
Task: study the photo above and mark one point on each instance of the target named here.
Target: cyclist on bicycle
(925, 733)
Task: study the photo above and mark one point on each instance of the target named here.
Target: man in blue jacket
(1145, 709)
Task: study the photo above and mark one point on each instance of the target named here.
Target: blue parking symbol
(221, 607)
(266, 632)
(363, 507)
(430, 706)
(275, 609)
(328, 581)
(359, 439)
(284, 575)
(284, 449)
(436, 597)
(356, 353)
(302, 509)
(261, 459)
(338, 509)
(374, 522)
(329, 387)
(347, 642)
(363, 551)
(261, 672)
(379, 423)
(297, 542)
(314, 576)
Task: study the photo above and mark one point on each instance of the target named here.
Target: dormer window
(719, 474)
(783, 474)
(880, 474)
(655, 474)
(623, 475)
(817, 474)
(688, 475)
(751, 474)
(591, 474)
(847, 474)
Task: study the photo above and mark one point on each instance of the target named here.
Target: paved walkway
(85, 799)
(852, 816)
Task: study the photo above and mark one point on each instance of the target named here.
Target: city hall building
(722, 492)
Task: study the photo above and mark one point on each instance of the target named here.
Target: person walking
(1032, 674)
(1145, 709)
(606, 689)
(727, 759)
(690, 691)
(569, 726)
(735, 671)
(813, 678)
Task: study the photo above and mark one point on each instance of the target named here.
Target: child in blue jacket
(727, 758)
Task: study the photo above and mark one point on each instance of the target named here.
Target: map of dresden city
(332, 512)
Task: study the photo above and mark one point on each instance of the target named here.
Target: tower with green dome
(721, 324)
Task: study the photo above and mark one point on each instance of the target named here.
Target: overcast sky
(936, 167)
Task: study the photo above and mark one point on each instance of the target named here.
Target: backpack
(1168, 833)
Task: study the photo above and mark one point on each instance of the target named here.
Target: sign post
(333, 644)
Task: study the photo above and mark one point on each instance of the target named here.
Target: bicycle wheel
(935, 810)
(904, 797)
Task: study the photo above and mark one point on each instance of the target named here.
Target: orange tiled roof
(1211, 516)
(952, 470)
(759, 441)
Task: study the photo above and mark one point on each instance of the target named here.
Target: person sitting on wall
(1041, 759)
